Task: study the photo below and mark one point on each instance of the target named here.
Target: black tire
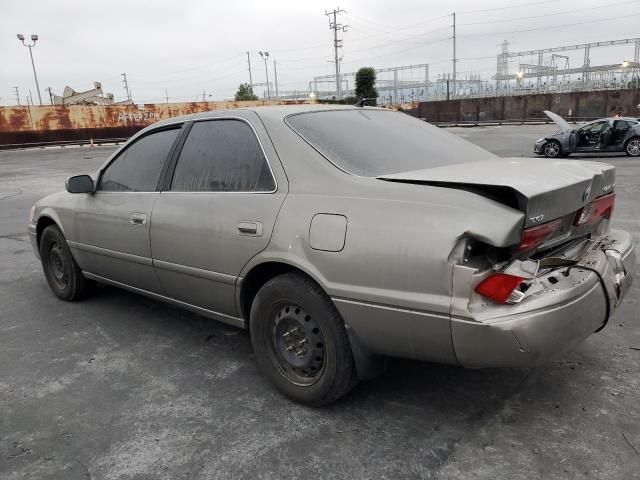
(552, 149)
(60, 269)
(632, 147)
(300, 340)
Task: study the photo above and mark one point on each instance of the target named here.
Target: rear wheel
(60, 269)
(632, 148)
(301, 341)
(552, 149)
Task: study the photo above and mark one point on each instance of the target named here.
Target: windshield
(371, 143)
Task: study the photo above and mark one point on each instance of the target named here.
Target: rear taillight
(597, 210)
(501, 288)
(535, 236)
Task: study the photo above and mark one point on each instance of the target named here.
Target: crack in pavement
(18, 237)
(12, 195)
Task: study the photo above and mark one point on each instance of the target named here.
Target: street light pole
(265, 57)
(34, 39)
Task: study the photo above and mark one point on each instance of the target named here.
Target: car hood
(562, 124)
(544, 190)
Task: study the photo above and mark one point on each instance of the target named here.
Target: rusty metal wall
(572, 105)
(31, 124)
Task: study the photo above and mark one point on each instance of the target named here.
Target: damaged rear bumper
(569, 306)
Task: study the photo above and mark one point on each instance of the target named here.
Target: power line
(396, 52)
(549, 26)
(400, 28)
(357, 39)
(202, 66)
(548, 14)
(510, 6)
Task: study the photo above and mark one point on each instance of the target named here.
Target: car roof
(271, 112)
(631, 119)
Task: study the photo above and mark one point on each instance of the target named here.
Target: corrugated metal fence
(59, 123)
(572, 105)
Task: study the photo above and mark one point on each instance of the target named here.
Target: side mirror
(79, 184)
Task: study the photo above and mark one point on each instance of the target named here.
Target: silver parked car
(615, 134)
(340, 235)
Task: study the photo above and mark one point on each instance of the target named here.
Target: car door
(620, 130)
(588, 136)
(217, 211)
(112, 225)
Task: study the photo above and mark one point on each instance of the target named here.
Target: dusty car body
(614, 134)
(411, 241)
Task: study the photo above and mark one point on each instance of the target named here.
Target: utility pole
(126, 86)
(275, 74)
(204, 95)
(17, 90)
(34, 39)
(265, 57)
(455, 60)
(337, 43)
(48, 89)
(250, 76)
(166, 95)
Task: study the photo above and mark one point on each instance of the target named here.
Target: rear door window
(222, 156)
(138, 167)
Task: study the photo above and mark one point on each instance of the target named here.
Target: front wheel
(552, 149)
(300, 340)
(60, 269)
(633, 147)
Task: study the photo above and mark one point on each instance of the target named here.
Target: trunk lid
(543, 190)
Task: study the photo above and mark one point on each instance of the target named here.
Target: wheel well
(635, 137)
(256, 278)
(43, 222)
(553, 140)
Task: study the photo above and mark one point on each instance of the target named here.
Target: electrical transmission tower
(126, 86)
(337, 43)
(455, 59)
(17, 90)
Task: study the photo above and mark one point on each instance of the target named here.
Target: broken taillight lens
(500, 287)
(595, 211)
(535, 236)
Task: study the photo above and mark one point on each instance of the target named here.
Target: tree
(366, 83)
(245, 92)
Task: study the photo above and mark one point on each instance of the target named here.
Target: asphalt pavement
(122, 387)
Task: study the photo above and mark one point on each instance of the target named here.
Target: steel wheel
(633, 147)
(297, 344)
(552, 149)
(58, 265)
(300, 340)
(60, 269)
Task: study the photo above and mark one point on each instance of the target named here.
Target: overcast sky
(189, 46)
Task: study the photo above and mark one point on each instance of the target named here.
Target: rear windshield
(370, 143)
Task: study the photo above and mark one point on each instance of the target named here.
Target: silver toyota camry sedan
(341, 235)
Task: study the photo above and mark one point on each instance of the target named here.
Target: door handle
(250, 228)
(138, 219)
